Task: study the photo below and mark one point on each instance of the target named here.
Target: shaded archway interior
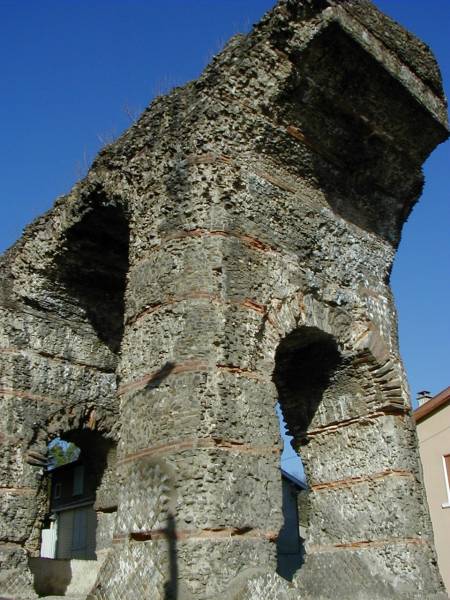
(305, 362)
(304, 365)
(95, 451)
(361, 121)
(92, 270)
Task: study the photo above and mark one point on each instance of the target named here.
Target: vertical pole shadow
(171, 586)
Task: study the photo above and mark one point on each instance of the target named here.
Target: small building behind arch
(71, 531)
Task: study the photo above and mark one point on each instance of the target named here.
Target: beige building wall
(434, 443)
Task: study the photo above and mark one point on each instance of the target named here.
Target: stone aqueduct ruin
(232, 249)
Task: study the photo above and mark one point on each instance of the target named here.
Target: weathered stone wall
(264, 203)
(57, 378)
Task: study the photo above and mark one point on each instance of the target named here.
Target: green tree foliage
(62, 453)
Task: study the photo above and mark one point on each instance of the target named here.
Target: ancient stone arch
(230, 250)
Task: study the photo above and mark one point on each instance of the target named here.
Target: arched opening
(78, 465)
(86, 290)
(92, 270)
(89, 276)
(82, 501)
(305, 362)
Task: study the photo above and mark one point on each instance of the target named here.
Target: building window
(78, 480)
(57, 491)
(446, 463)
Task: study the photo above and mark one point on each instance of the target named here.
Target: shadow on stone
(91, 271)
(160, 375)
(171, 586)
(51, 577)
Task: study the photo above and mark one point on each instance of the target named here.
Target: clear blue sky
(72, 69)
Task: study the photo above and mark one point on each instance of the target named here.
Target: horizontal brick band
(193, 366)
(276, 181)
(364, 545)
(220, 534)
(351, 481)
(247, 303)
(10, 546)
(200, 232)
(53, 358)
(362, 420)
(243, 372)
(28, 395)
(286, 128)
(50, 317)
(170, 301)
(246, 239)
(207, 443)
(17, 490)
(207, 158)
(299, 136)
(9, 439)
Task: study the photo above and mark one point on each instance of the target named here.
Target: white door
(48, 541)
